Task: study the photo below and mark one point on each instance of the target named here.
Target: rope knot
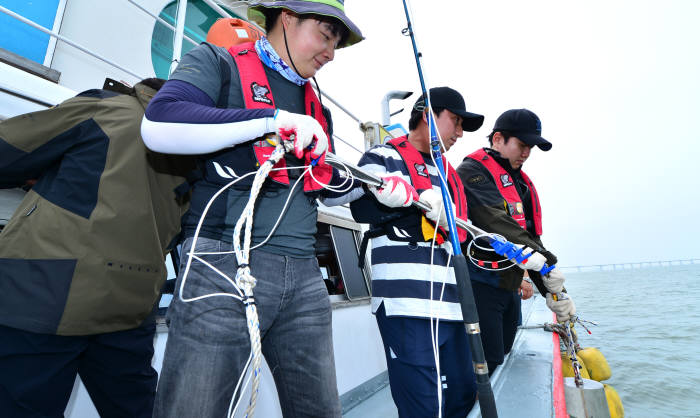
(245, 280)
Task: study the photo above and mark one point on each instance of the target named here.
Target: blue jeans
(208, 343)
(412, 371)
(37, 372)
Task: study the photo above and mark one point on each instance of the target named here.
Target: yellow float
(594, 366)
(567, 369)
(597, 365)
(614, 402)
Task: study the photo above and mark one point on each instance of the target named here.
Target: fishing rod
(500, 245)
(378, 182)
(487, 401)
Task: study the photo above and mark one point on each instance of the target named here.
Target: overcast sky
(614, 83)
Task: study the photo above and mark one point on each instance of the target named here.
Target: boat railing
(67, 41)
(177, 43)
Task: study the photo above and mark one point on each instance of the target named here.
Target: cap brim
(306, 7)
(533, 139)
(470, 121)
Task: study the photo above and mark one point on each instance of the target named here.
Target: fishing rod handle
(369, 178)
(511, 251)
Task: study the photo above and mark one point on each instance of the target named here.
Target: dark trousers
(38, 371)
(499, 311)
(412, 371)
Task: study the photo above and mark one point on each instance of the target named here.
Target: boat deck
(522, 385)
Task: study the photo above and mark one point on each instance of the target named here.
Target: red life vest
(420, 179)
(506, 187)
(257, 95)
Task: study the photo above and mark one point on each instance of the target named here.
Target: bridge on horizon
(631, 265)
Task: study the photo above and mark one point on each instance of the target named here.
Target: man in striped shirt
(414, 294)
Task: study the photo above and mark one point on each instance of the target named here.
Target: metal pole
(218, 9)
(341, 107)
(394, 94)
(161, 20)
(179, 34)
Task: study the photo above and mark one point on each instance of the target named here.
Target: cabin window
(198, 19)
(24, 40)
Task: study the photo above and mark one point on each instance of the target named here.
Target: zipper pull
(29, 212)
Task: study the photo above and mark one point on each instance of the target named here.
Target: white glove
(564, 308)
(305, 129)
(535, 260)
(554, 281)
(434, 199)
(396, 192)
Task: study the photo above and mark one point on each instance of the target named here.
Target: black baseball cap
(450, 99)
(523, 124)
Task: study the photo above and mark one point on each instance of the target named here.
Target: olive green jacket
(84, 252)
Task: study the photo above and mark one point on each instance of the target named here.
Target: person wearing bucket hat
(405, 262)
(221, 104)
(332, 9)
(502, 199)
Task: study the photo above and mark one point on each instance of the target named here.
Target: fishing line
(243, 277)
(475, 261)
(466, 297)
(244, 281)
(485, 235)
(431, 129)
(231, 414)
(435, 329)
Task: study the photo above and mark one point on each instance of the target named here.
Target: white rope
(244, 280)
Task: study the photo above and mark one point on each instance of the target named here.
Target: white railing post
(179, 33)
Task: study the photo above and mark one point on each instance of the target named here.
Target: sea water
(649, 331)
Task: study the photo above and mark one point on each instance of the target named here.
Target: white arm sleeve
(201, 138)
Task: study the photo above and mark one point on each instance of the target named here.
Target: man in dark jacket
(82, 259)
(502, 199)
